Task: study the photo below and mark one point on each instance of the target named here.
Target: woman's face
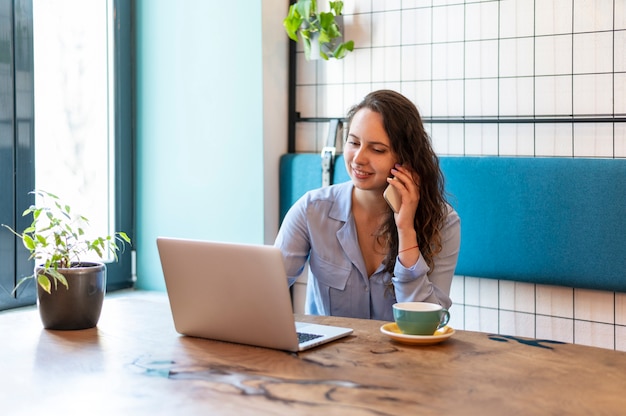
(367, 151)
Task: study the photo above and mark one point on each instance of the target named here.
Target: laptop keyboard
(304, 337)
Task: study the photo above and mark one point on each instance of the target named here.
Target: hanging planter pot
(324, 50)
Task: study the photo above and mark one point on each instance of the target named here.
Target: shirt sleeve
(293, 240)
(413, 284)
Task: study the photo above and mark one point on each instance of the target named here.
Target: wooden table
(135, 363)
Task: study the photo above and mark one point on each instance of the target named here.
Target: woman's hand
(407, 183)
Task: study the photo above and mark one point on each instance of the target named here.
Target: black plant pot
(76, 307)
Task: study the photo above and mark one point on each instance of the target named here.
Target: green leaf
(306, 43)
(48, 194)
(336, 7)
(342, 50)
(124, 237)
(292, 22)
(28, 242)
(22, 280)
(44, 282)
(326, 20)
(306, 8)
(59, 277)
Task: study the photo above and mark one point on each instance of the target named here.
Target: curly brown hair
(413, 147)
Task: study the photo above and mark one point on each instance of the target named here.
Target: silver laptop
(235, 293)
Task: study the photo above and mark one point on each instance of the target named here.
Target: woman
(363, 256)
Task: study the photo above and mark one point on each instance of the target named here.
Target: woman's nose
(359, 156)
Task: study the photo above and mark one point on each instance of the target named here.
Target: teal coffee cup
(420, 318)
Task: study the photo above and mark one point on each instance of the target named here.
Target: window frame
(18, 142)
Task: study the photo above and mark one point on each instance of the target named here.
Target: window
(80, 56)
(73, 141)
(73, 138)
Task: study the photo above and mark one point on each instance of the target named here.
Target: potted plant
(320, 32)
(70, 291)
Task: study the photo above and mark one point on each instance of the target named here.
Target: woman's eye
(379, 150)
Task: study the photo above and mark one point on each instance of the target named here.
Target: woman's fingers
(407, 178)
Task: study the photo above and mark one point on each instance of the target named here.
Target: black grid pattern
(550, 74)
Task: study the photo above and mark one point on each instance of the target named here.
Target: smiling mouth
(361, 174)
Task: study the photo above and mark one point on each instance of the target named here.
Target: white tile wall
(553, 95)
(554, 140)
(517, 323)
(619, 89)
(553, 17)
(619, 139)
(593, 15)
(592, 94)
(453, 29)
(593, 52)
(547, 62)
(554, 328)
(516, 296)
(515, 96)
(555, 301)
(484, 21)
(593, 140)
(481, 319)
(619, 52)
(593, 305)
(516, 57)
(594, 334)
(481, 139)
(481, 97)
(481, 59)
(493, 59)
(447, 60)
(619, 16)
(620, 338)
(517, 18)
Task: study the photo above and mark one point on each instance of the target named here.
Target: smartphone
(393, 198)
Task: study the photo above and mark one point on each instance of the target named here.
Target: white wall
(275, 90)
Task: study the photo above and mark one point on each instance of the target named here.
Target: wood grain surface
(135, 363)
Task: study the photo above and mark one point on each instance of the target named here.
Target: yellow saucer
(391, 329)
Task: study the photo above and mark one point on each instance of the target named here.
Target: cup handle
(445, 317)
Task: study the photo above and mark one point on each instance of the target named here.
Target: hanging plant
(318, 31)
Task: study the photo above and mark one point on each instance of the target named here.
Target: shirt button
(366, 288)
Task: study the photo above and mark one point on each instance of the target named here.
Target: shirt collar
(342, 207)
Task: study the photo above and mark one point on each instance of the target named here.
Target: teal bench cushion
(301, 172)
(553, 221)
